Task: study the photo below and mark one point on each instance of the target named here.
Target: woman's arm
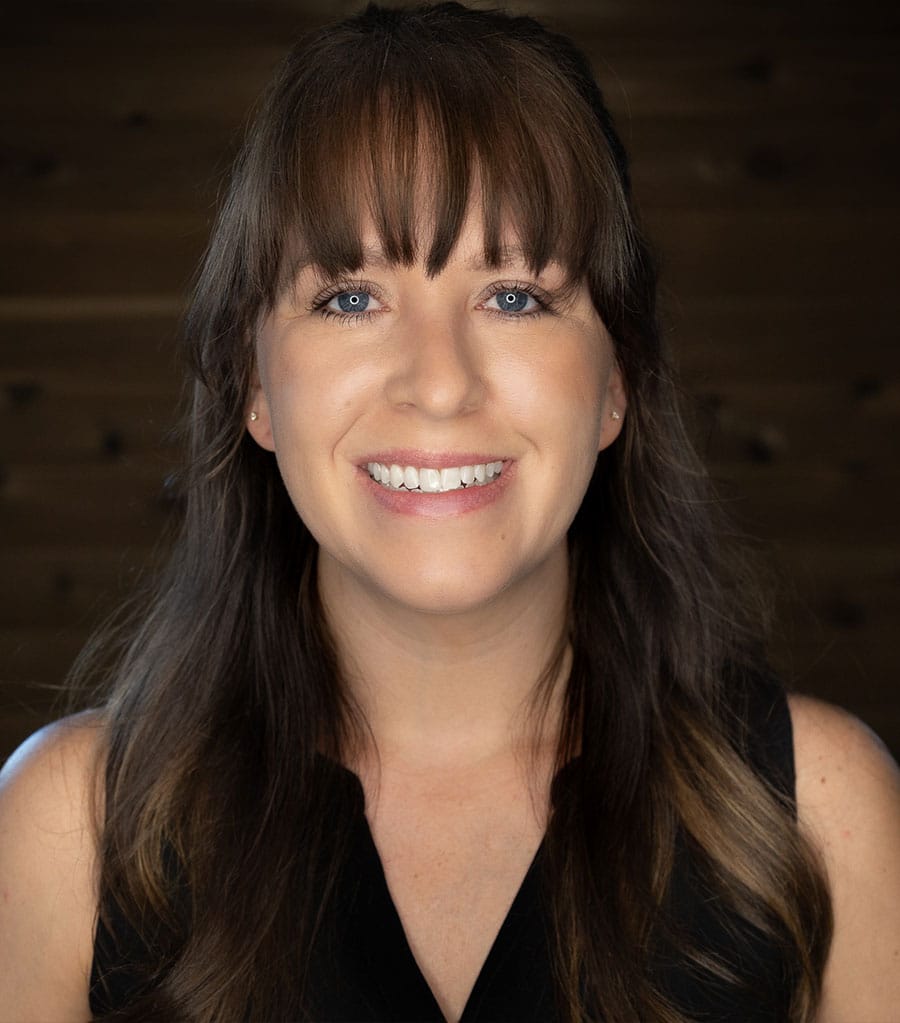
(47, 875)
(848, 799)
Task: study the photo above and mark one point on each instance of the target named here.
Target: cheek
(314, 400)
(562, 397)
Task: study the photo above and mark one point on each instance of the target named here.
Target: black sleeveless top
(372, 974)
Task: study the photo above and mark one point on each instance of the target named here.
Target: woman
(449, 704)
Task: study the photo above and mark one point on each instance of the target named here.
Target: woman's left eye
(514, 300)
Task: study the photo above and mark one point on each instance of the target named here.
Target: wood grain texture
(764, 138)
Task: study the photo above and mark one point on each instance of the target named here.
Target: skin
(440, 657)
(47, 875)
(848, 796)
(436, 369)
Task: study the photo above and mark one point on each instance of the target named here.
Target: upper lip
(430, 459)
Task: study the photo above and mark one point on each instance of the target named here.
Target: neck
(447, 691)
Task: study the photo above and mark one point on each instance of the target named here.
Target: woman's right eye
(351, 302)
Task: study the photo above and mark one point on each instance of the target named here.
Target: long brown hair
(221, 830)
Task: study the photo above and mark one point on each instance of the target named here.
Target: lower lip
(438, 506)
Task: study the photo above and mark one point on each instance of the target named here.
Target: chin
(449, 599)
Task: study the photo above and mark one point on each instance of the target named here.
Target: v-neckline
(501, 947)
(516, 951)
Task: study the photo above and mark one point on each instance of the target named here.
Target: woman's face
(437, 435)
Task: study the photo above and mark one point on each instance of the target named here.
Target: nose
(437, 369)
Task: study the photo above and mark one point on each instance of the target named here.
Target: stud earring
(254, 416)
(614, 415)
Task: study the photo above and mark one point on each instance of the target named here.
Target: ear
(615, 404)
(258, 416)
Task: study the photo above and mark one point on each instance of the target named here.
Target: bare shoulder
(848, 801)
(848, 784)
(47, 871)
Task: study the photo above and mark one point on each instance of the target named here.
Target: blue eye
(349, 301)
(352, 301)
(515, 300)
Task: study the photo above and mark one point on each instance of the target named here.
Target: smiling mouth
(434, 481)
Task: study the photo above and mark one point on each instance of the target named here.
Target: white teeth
(434, 481)
(451, 479)
(429, 481)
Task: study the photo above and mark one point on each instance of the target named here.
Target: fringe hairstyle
(228, 687)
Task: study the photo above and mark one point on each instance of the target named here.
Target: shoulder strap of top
(770, 737)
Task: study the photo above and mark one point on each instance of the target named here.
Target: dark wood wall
(765, 145)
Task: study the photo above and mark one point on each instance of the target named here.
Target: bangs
(404, 130)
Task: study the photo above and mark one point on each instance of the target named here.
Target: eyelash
(320, 302)
(545, 303)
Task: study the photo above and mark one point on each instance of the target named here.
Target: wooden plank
(847, 589)
(68, 586)
(698, 161)
(118, 505)
(66, 429)
(117, 358)
(833, 505)
(774, 162)
(214, 22)
(802, 424)
(98, 308)
(825, 337)
(162, 67)
(36, 663)
(134, 78)
(139, 253)
(692, 19)
(90, 162)
(782, 254)
(734, 74)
